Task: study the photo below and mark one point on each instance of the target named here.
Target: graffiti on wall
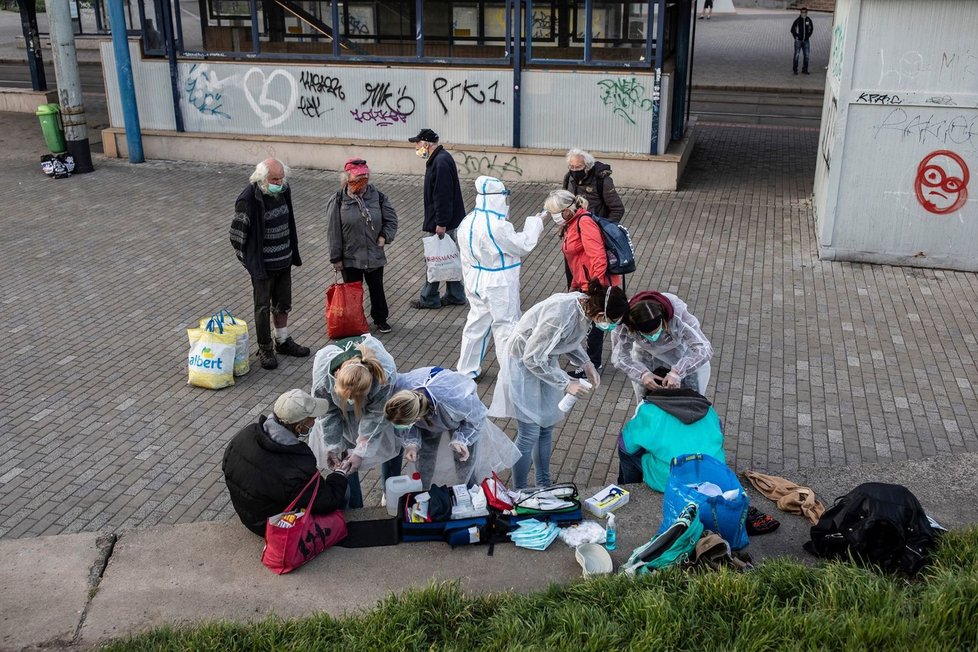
(626, 97)
(464, 91)
(912, 69)
(941, 184)
(927, 127)
(838, 51)
(495, 165)
(204, 91)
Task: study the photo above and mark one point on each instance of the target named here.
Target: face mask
(403, 426)
(606, 326)
(558, 218)
(358, 186)
(350, 402)
(275, 189)
(422, 153)
(578, 175)
(654, 337)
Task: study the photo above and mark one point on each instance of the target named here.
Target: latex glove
(671, 381)
(575, 388)
(440, 231)
(352, 463)
(411, 454)
(338, 266)
(333, 460)
(461, 450)
(592, 375)
(381, 241)
(651, 381)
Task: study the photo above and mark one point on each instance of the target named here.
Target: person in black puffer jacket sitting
(266, 464)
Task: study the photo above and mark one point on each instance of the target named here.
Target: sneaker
(384, 327)
(579, 372)
(805, 72)
(417, 305)
(267, 358)
(289, 347)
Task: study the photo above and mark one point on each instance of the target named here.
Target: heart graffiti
(270, 111)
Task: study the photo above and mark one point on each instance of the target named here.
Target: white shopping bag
(441, 255)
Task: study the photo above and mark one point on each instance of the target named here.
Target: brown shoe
(266, 356)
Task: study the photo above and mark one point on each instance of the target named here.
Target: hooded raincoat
(458, 415)
(371, 437)
(554, 326)
(684, 348)
(492, 251)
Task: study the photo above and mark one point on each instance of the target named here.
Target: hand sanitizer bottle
(610, 533)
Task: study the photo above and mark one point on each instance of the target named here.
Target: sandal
(760, 523)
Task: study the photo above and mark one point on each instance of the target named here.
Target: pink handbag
(295, 536)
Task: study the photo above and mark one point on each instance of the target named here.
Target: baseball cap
(356, 167)
(426, 135)
(295, 405)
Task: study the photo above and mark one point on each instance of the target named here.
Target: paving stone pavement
(816, 363)
(753, 49)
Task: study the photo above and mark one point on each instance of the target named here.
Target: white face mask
(558, 218)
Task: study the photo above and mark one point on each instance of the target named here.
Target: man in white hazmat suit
(492, 252)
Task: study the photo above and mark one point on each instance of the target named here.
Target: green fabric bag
(662, 437)
(674, 546)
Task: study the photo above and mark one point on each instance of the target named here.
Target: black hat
(426, 135)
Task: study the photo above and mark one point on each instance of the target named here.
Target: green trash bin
(54, 134)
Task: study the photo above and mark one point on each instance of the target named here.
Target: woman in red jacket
(584, 253)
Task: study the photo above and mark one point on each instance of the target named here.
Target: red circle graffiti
(941, 190)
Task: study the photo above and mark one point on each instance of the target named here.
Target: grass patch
(782, 605)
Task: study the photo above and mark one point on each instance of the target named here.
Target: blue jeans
(804, 47)
(354, 495)
(533, 443)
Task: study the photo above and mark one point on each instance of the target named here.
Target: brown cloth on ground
(788, 496)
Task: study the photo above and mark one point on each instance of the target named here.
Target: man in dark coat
(802, 30)
(443, 212)
(266, 465)
(592, 180)
(264, 238)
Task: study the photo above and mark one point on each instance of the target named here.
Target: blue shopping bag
(727, 516)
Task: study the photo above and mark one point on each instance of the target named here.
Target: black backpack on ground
(878, 524)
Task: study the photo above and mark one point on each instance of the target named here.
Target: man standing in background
(802, 30)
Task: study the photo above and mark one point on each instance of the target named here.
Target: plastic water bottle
(569, 400)
(397, 486)
(610, 533)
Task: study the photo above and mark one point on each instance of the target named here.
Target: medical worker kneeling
(432, 405)
(557, 325)
(492, 250)
(356, 375)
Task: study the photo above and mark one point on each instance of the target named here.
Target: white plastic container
(567, 403)
(399, 485)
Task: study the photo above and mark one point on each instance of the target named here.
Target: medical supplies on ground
(534, 535)
(607, 500)
(586, 532)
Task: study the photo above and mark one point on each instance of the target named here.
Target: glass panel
(552, 26)
(465, 29)
(617, 30)
(152, 28)
(383, 28)
(204, 25)
(296, 26)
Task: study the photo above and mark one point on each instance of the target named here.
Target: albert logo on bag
(205, 360)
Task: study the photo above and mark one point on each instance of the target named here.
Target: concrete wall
(899, 144)
(610, 110)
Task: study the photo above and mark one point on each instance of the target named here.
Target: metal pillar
(127, 89)
(517, 54)
(28, 23)
(69, 85)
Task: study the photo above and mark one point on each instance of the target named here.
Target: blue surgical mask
(606, 326)
(403, 426)
(654, 337)
(275, 189)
